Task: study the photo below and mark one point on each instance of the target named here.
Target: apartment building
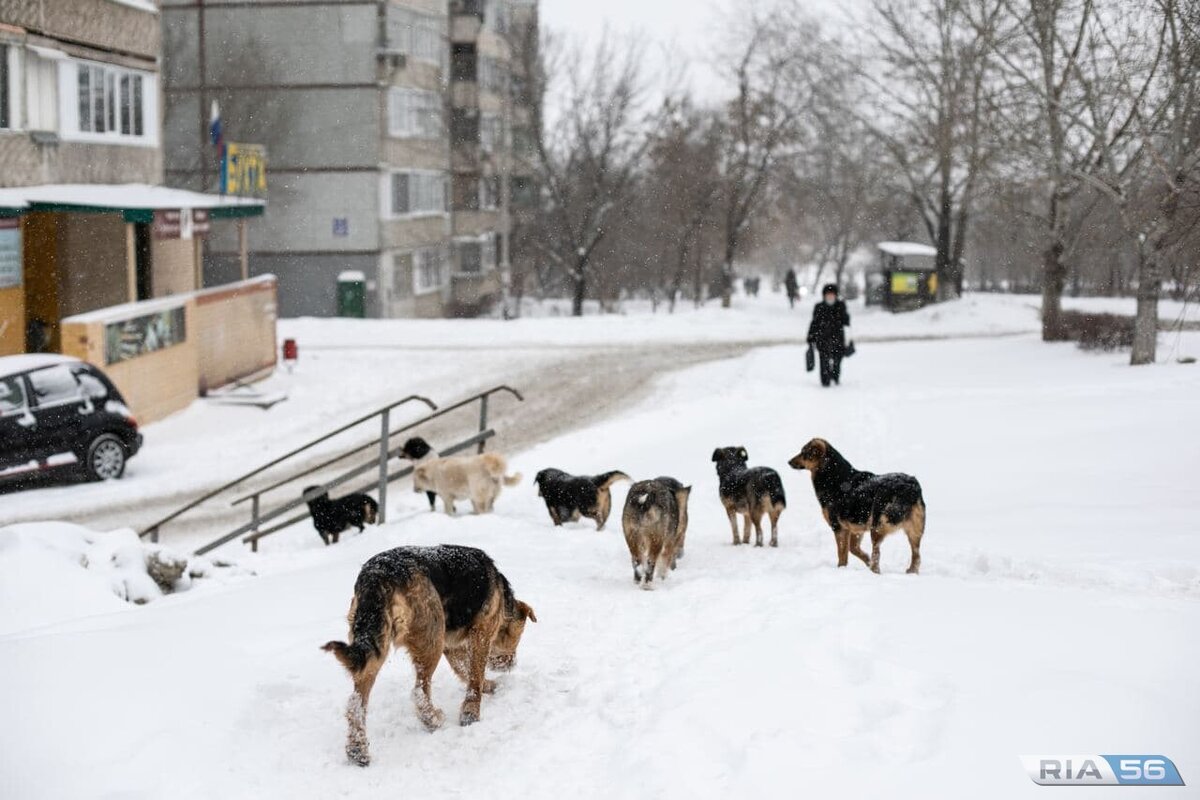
(85, 222)
(389, 126)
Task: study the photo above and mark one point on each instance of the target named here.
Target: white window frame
(491, 132)
(489, 201)
(420, 37)
(420, 257)
(488, 252)
(68, 106)
(386, 194)
(9, 52)
(41, 65)
(415, 114)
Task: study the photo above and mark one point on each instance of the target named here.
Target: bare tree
(935, 80)
(588, 158)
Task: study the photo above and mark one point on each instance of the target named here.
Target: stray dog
(569, 497)
(655, 521)
(749, 491)
(854, 502)
(677, 486)
(432, 601)
(476, 478)
(331, 517)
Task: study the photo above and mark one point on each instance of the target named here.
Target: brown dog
(855, 502)
(433, 601)
(655, 523)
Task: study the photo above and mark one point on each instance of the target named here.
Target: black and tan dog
(855, 502)
(331, 517)
(569, 497)
(432, 601)
(655, 524)
(749, 491)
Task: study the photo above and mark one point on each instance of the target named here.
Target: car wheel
(105, 458)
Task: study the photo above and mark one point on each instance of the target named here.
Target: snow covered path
(1056, 612)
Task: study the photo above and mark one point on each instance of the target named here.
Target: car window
(12, 394)
(92, 386)
(54, 385)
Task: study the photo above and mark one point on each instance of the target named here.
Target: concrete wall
(172, 266)
(155, 384)
(235, 331)
(101, 23)
(307, 283)
(25, 163)
(92, 262)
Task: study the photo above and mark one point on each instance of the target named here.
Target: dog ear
(717, 454)
(527, 611)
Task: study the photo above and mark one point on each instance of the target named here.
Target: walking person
(827, 333)
(792, 287)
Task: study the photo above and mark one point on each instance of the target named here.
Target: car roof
(14, 365)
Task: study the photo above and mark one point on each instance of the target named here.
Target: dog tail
(371, 597)
(774, 487)
(512, 480)
(370, 510)
(607, 479)
(645, 504)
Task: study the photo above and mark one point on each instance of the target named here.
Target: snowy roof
(13, 365)
(349, 275)
(121, 196)
(907, 249)
(124, 311)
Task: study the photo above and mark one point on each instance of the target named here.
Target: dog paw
(912, 571)
(433, 720)
(488, 687)
(358, 755)
(468, 717)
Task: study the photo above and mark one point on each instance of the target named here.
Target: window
(429, 269)
(522, 192)
(418, 193)
(112, 101)
(493, 75)
(41, 93)
(470, 257)
(491, 132)
(54, 386)
(420, 37)
(464, 127)
(12, 394)
(5, 111)
(414, 114)
(489, 192)
(91, 385)
(463, 63)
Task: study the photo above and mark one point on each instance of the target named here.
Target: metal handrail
(385, 455)
(403, 429)
(152, 530)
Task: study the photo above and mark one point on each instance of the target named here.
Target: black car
(58, 412)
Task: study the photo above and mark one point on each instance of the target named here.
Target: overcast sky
(689, 26)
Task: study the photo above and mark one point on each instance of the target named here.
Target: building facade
(389, 129)
(85, 222)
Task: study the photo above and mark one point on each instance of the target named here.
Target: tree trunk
(580, 294)
(1054, 275)
(1145, 322)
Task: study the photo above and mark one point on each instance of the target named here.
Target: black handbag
(810, 360)
(850, 349)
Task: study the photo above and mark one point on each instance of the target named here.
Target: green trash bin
(352, 294)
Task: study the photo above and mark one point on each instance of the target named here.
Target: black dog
(417, 449)
(749, 491)
(331, 517)
(569, 497)
(855, 501)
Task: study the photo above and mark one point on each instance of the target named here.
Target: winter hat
(830, 288)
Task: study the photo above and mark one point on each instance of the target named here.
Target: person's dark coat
(790, 283)
(827, 329)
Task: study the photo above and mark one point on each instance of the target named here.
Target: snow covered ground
(1056, 611)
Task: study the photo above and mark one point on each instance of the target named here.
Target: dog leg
(357, 747)
(457, 658)
(914, 543)
(324, 537)
(856, 548)
(876, 538)
(774, 514)
(637, 568)
(746, 528)
(652, 556)
(335, 537)
(733, 524)
(843, 546)
(758, 515)
(425, 660)
(480, 643)
(448, 502)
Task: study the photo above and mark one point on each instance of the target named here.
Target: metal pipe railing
(153, 530)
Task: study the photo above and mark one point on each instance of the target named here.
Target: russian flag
(214, 125)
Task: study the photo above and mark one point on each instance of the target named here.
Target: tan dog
(474, 478)
(655, 523)
(432, 601)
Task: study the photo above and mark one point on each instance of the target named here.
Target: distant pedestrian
(793, 288)
(827, 333)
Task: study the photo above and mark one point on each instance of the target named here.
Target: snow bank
(54, 571)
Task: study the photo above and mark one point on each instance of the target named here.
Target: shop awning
(907, 249)
(136, 201)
